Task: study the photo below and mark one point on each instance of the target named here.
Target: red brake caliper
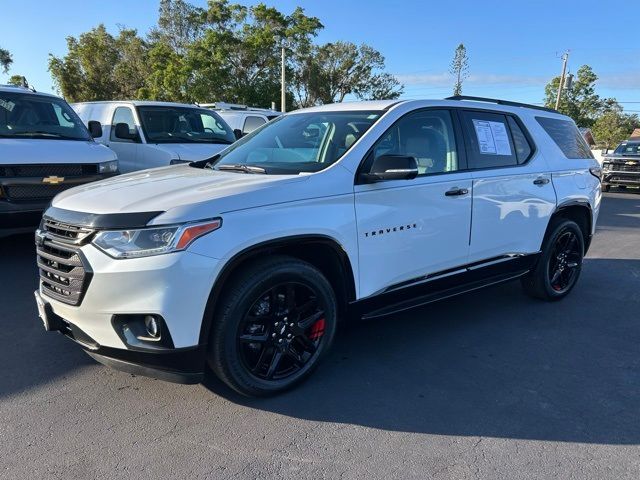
(317, 330)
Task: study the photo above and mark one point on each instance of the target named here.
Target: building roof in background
(636, 134)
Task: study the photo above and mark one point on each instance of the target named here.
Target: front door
(126, 149)
(410, 228)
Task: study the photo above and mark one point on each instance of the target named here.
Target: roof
(140, 103)
(480, 104)
(236, 107)
(27, 91)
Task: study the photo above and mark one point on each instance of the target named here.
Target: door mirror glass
(95, 128)
(391, 167)
(123, 132)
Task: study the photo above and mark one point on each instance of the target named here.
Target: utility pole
(565, 57)
(283, 84)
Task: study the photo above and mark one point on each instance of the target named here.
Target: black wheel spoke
(305, 323)
(295, 356)
(275, 361)
(307, 344)
(556, 276)
(253, 338)
(290, 297)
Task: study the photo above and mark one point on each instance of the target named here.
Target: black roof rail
(501, 102)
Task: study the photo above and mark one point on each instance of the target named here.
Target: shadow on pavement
(493, 363)
(29, 356)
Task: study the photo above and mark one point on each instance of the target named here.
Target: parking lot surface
(487, 385)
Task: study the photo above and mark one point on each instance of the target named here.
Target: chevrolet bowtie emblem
(53, 180)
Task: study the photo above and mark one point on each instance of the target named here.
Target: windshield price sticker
(7, 105)
(492, 137)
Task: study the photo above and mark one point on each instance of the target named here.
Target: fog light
(153, 328)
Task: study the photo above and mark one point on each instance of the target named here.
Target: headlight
(108, 167)
(145, 242)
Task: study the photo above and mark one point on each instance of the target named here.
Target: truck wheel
(560, 262)
(273, 325)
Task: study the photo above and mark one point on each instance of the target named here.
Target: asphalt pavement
(491, 384)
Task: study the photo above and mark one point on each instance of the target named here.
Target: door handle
(541, 181)
(455, 192)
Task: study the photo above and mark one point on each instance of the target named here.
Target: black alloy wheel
(560, 263)
(272, 326)
(566, 258)
(281, 332)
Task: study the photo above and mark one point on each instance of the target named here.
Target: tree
(459, 68)
(99, 66)
(330, 72)
(613, 126)
(5, 60)
(580, 102)
(18, 80)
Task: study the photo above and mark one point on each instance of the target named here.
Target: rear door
(513, 196)
(411, 228)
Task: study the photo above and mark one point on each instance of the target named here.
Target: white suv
(246, 262)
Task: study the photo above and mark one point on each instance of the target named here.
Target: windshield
(296, 143)
(25, 115)
(168, 124)
(628, 148)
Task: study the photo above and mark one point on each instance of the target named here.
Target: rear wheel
(560, 262)
(274, 324)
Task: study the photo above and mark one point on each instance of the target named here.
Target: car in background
(44, 149)
(241, 118)
(622, 167)
(147, 134)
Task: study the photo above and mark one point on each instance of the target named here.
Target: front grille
(46, 170)
(621, 167)
(64, 272)
(33, 191)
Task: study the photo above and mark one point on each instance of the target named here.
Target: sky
(514, 47)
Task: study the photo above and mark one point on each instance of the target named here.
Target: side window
(426, 135)
(251, 123)
(123, 115)
(489, 143)
(520, 142)
(566, 136)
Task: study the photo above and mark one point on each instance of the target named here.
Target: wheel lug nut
(273, 335)
(285, 319)
(289, 336)
(276, 324)
(291, 324)
(280, 341)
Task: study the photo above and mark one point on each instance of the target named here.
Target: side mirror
(391, 167)
(122, 131)
(238, 133)
(95, 128)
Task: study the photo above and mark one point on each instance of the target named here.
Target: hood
(25, 151)
(190, 151)
(166, 188)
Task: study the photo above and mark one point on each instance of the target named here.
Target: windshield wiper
(38, 133)
(241, 168)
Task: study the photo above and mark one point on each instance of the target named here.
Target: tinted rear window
(566, 136)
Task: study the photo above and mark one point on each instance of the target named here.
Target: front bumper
(182, 365)
(174, 287)
(620, 177)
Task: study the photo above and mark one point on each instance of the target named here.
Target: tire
(279, 311)
(544, 281)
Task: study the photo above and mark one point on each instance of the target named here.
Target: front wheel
(273, 326)
(560, 262)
